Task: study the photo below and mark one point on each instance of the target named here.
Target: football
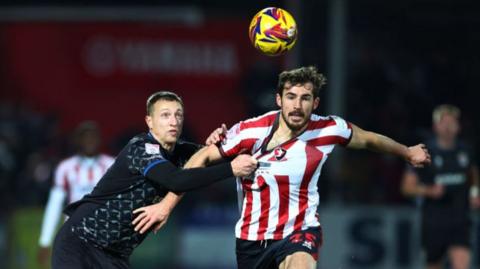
(273, 31)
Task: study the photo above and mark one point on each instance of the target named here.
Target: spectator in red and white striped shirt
(279, 227)
(74, 177)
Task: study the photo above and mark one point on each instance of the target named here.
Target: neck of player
(286, 132)
(446, 143)
(166, 146)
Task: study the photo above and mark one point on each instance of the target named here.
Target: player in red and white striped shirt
(278, 227)
(74, 177)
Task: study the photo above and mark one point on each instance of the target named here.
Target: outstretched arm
(417, 155)
(158, 214)
(181, 180)
(242, 165)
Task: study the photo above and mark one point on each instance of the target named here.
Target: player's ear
(279, 100)
(316, 102)
(149, 122)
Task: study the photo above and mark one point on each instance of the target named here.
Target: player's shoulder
(464, 147)
(141, 138)
(68, 162)
(319, 121)
(142, 144)
(106, 158)
(265, 120)
(186, 147)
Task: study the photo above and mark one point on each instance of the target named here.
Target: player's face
(448, 127)
(90, 142)
(166, 121)
(297, 103)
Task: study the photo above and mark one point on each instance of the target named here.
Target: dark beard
(294, 128)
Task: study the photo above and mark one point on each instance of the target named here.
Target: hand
(435, 191)
(43, 256)
(217, 135)
(418, 156)
(156, 214)
(243, 165)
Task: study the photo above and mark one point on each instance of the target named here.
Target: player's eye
(179, 116)
(290, 96)
(165, 115)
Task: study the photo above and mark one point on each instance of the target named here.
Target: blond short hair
(445, 109)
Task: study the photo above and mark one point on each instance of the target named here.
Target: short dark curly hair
(301, 76)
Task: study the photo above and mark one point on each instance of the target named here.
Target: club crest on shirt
(152, 148)
(279, 153)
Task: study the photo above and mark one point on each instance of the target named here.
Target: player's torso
(282, 195)
(449, 168)
(83, 174)
(294, 160)
(123, 189)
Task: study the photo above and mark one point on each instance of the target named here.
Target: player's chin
(171, 139)
(297, 125)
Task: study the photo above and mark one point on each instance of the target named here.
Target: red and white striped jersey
(78, 175)
(282, 195)
(74, 177)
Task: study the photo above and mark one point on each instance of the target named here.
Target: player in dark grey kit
(99, 232)
(446, 188)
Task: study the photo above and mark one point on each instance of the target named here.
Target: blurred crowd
(30, 147)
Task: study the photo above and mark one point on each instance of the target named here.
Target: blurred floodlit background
(388, 64)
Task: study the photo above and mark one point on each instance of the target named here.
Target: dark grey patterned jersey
(103, 218)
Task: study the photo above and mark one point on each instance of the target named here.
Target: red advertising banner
(105, 70)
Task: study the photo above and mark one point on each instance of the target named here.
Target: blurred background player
(445, 189)
(74, 177)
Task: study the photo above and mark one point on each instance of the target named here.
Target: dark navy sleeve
(181, 180)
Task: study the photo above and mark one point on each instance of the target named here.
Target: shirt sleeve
(176, 179)
(341, 129)
(237, 140)
(142, 156)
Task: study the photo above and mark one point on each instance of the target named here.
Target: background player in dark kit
(445, 189)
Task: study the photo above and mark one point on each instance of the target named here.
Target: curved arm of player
(417, 155)
(181, 180)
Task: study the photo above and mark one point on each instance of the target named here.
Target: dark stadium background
(388, 64)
